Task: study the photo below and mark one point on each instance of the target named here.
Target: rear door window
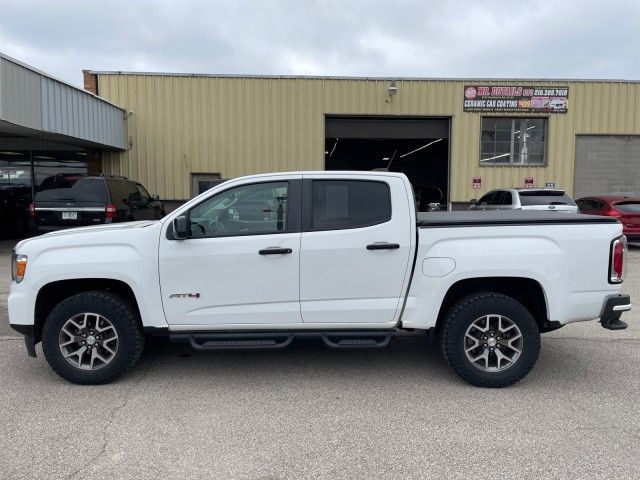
(499, 198)
(118, 192)
(77, 190)
(545, 197)
(341, 204)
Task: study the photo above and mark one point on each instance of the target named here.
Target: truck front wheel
(490, 339)
(92, 337)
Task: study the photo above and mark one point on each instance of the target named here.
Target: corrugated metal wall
(242, 125)
(31, 99)
(20, 95)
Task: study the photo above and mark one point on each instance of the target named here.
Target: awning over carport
(35, 105)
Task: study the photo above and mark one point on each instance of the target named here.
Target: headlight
(18, 267)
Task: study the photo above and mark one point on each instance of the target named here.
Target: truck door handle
(274, 251)
(383, 246)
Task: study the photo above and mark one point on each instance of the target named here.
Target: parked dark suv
(74, 201)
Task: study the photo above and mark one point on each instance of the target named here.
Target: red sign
(476, 182)
(528, 182)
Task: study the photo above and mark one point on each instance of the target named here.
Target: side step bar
(278, 340)
(357, 340)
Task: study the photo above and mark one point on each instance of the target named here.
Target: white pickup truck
(257, 261)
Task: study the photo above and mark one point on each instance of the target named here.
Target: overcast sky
(391, 38)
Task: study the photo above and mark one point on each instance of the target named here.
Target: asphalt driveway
(310, 412)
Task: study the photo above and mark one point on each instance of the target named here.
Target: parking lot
(311, 412)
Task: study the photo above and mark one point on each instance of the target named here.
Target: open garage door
(417, 147)
(607, 165)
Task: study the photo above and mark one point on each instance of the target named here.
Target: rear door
(355, 249)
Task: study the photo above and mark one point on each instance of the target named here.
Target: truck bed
(504, 217)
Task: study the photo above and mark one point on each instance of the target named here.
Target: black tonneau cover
(504, 217)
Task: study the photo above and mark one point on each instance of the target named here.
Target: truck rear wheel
(92, 338)
(490, 340)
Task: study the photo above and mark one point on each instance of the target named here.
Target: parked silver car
(525, 199)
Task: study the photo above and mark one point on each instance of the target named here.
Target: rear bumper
(612, 309)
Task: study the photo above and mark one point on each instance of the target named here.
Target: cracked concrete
(310, 412)
(105, 431)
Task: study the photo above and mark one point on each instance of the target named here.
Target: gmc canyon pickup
(343, 256)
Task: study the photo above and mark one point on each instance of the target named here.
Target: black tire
(122, 316)
(471, 308)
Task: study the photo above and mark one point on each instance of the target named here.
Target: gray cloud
(561, 39)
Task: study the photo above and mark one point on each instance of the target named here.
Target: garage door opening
(607, 165)
(419, 148)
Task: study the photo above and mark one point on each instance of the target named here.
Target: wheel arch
(51, 294)
(527, 291)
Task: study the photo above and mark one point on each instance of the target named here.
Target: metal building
(462, 137)
(47, 128)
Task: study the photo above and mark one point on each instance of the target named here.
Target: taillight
(616, 266)
(613, 213)
(110, 211)
(32, 210)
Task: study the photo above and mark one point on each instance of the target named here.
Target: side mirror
(473, 201)
(155, 197)
(180, 227)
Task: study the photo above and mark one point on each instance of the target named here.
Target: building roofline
(45, 74)
(329, 77)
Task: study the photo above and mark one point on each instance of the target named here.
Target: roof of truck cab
(481, 218)
(325, 173)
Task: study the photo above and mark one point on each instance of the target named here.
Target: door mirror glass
(155, 197)
(180, 227)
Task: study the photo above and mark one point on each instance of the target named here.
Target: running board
(278, 340)
(357, 340)
(225, 341)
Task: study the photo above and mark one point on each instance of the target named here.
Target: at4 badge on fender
(185, 295)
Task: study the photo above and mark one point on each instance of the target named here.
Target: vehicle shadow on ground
(303, 357)
(412, 360)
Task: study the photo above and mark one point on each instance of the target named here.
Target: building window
(201, 182)
(513, 141)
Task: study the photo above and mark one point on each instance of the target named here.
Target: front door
(240, 263)
(355, 250)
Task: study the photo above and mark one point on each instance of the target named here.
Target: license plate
(69, 215)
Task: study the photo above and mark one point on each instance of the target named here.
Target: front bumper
(612, 309)
(29, 333)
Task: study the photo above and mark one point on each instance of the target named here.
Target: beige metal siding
(237, 126)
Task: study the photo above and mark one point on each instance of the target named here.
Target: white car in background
(526, 199)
